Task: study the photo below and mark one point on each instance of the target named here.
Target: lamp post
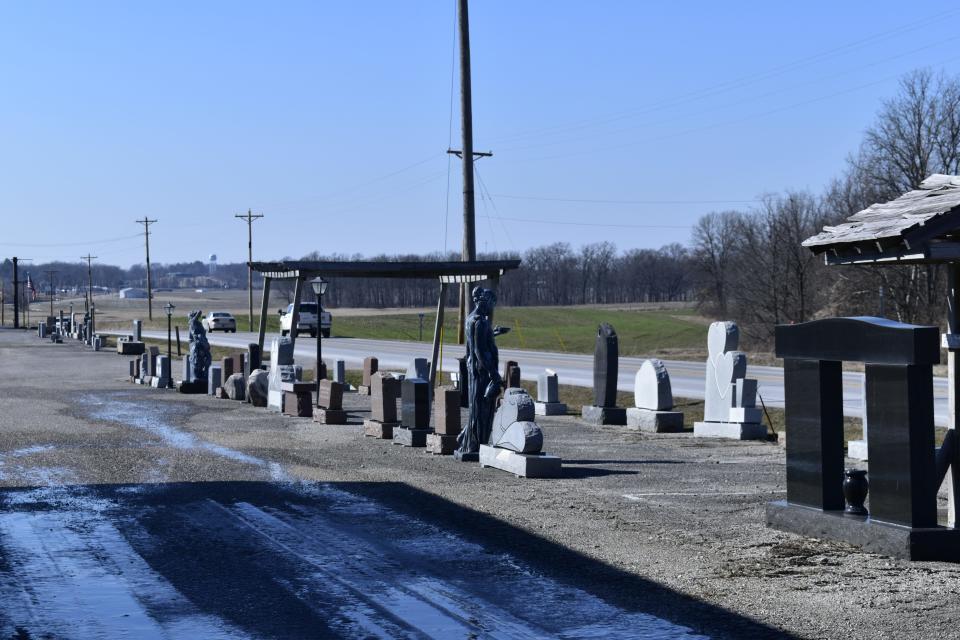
(169, 309)
(319, 288)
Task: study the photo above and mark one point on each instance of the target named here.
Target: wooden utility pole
(146, 237)
(89, 298)
(249, 216)
(50, 273)
(466, 126)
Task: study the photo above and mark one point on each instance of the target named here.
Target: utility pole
(50, 273)
(466, 125)
(16, 293)
(249, 216)
(89, 298)
(146, 222)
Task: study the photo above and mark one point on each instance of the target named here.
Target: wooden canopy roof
(921, 226)
(472, 271)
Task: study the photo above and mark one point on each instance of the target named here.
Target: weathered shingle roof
(896, 220)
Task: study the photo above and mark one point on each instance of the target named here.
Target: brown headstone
(331, 395)
(446, 411)
(383, 397)
(298, 405)
(370, 366)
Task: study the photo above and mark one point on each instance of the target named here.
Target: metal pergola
(446, 273)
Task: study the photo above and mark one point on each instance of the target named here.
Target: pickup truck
(307, 321)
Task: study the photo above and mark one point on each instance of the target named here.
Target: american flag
(32, 289)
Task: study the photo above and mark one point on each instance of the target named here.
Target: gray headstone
(513, 423)
(137, 330)
(340, 372)
(419, 368)
(724, 367)
(651, 388)
(187, 369)
(548, 387)
(163, 371)
(213, 380)
(605, 367)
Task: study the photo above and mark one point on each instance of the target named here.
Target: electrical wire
(598, 224)
(631, 202)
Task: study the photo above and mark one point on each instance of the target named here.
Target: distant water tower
(212, 263)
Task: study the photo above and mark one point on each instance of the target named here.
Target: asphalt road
(686, 378)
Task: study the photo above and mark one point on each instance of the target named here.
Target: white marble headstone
(651, 387)
(724, 367)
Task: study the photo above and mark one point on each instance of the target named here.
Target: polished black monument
(606, 362)
(903, 474)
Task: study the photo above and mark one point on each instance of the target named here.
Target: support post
(295, 315)
(437, 331)
(264, 302)
(16, 293)
(952, 340)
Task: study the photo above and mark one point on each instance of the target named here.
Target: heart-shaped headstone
(722, 337)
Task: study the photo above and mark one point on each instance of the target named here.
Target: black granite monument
(904, 474)
(606, 362)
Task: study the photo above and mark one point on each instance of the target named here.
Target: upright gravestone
(214, 380)
(653, 400)
(164, 377)
(606, 362)
(154, 353)
(446, 422)
(729, 407)
(138, 330)
(511, 374)
(330, 401)
(370, 366)
(548, 395)
(226, 367)
(419, 368)
(857, 449)
(415, 413)
(252, 361)
(340, 372)
(143, 369)
(42, 330)
(384, 390)
(281, 370)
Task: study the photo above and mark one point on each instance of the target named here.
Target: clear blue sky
(190, 112)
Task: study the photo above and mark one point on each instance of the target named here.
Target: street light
(319, 288)
(169, 309)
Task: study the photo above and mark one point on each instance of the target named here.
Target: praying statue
(199, 347)
(483, 379)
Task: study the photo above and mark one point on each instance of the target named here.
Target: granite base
(410, 437)
(440, 444)
(652, 421)
(604, 415)
(730, 430)
(936, 543)
(377, 429)
(522, 465)
(550, 408)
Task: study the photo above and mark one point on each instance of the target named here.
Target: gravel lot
(638, 524)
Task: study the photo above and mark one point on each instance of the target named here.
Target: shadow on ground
(232, 559)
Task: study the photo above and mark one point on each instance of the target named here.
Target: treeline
(751, 267)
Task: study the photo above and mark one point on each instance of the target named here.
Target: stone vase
(855, 488)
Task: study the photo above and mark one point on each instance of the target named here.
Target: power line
(730, 84)
(598, 224)
(605, 201)
(68, 244)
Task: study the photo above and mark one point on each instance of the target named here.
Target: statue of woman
(199, 347)
(483, 379)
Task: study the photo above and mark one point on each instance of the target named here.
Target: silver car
(219, 321)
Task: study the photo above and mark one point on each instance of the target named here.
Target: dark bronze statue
(483, 380)
(199, 347)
